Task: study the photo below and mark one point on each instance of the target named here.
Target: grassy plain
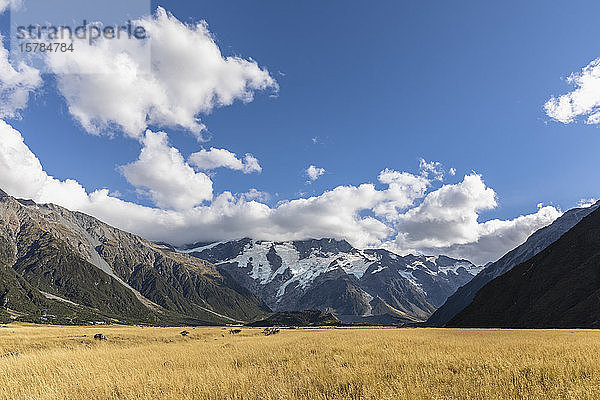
(368, 363)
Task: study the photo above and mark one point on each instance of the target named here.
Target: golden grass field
(158, 363)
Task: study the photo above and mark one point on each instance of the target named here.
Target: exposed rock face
(534, 244)
(332, 276)
(74, 266)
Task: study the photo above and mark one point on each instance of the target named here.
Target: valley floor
(210, 363)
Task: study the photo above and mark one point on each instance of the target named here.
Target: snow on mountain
(332, 276)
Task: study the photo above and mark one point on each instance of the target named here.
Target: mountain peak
(62, 254)
(330, 275)
(3, 194)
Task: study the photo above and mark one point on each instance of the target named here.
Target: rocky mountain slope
(557, 288)
(57, 266)
(329, 275)
(534, 244)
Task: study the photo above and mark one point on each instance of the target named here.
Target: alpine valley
(58, 266)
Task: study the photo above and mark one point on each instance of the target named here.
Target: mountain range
(329, 275)
(59, 266)
(63, 266)
(557, 288)
(537, 242)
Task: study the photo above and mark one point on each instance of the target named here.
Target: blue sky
(379, 85)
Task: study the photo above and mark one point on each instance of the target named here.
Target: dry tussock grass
(210, 363)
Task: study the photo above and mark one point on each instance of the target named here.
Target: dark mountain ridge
(537, 242)
(75, 268)
(557, 288)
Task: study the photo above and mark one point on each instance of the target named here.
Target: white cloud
(494, 238)
(22, 173)
(163, 174)
(431, 169)
(16, 84)
(255, 194)
(452, 171)
(187, 76)
(403, 189)
(23, 176)
(251, 164)
(314, 173)
(5, 4)
(584, 100)
(445, 221)
(447, 215)
(222, 158)
(586, 203)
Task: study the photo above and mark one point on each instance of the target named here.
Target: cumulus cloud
(186, 76)
(222, 158)
(447, 222)
(431, 169)
(314, 173)
(447, 215)
(452, 171)
(492, 238)
(402, 216)
(403, 189)
(23, 176)
(583, 101)
(22, 172)
(255, 194)
(162, 173)
(16, 84)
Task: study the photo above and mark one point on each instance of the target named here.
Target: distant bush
(270, 331)
(4, 317)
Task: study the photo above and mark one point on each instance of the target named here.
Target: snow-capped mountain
(330, 275)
